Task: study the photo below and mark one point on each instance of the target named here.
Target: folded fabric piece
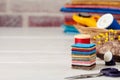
(108, 3)
(69, 32)
(93, 10)
(69, 26)
(83, 53)
(89, 49)
(83, 59)
(68, 18)
(83, 49)
(90, 6)
(70, 22)
(83, 67)
(85, 63)
(83, 56)
(79, 45)
(70, 29)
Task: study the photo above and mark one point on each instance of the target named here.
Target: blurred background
(31, 13)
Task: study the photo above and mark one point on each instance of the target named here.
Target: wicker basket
(92, 31)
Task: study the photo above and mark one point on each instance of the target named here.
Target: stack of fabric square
(93, 7)
(68, 25)
(83, 56)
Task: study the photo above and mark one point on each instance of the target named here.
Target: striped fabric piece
(83, 63)
(84, 53)
(91, 10)
(83, 50)
(83, 59)
(83, 56)
(79, 45)
(89, 2)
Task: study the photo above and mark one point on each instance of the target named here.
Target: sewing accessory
(82, 38)
(109, 72)
(84, 15)
(107, 21)
(87, 21)
(108, 58)
(98, 38)
(102, 38)
(119, 38)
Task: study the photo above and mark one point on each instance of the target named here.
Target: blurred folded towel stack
(68, 24)
(91, 7)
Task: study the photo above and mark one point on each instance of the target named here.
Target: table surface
(39, 54)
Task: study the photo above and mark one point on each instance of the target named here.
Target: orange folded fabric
(107, 3)
(70, 23)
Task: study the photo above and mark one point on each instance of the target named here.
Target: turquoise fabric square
(79, 45)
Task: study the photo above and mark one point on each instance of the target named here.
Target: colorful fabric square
(83, 53)
(83, 56)
(84, 67)
(97, 2)
(83, 63)
(79, 45)
(83, 50)
(94, 10)
(83, 59)
(70, 29)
